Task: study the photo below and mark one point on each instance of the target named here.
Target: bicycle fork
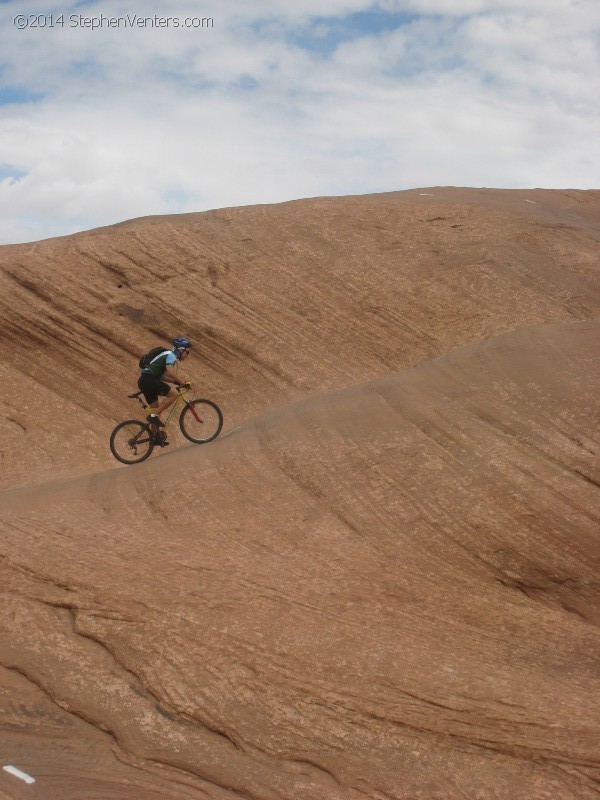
(195, 413)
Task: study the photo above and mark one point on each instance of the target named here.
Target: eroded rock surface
(281, 302)
(381, 584)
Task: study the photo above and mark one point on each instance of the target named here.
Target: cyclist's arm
(171, 376)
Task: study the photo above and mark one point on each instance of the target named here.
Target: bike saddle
(137, 394)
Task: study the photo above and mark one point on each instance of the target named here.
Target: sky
(116, 110)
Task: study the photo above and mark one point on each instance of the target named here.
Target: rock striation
(382, 580)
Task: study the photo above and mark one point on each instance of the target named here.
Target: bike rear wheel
(201, 421)
(131, 441)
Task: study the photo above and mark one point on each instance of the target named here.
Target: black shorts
(152, 387)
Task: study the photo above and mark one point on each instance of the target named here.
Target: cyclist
(158, 374)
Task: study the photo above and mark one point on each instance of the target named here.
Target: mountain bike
(133, 441)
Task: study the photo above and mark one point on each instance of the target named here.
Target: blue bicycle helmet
(181, 344)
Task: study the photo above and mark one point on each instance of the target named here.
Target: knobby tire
(131, 442)
(209, 426)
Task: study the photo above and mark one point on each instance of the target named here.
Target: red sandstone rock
(382, 581)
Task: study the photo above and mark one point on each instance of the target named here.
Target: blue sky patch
(325, 34)
(8, 171)
(246, 82)
(177, 199)
(14, 94)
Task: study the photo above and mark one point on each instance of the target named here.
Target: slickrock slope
(281, 301)
(383, 580)
(391, 591)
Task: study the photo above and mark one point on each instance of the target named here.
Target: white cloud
(134, 122)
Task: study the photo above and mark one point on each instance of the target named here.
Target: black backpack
(151, 355)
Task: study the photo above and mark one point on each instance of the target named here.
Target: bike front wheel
(131, 441)
(201, 421)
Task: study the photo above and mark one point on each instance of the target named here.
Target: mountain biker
(158, 374)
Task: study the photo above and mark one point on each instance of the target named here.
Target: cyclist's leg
(154, 429)
(150, 388)
(170, 396)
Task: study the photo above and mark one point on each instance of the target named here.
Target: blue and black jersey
(158, 366)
